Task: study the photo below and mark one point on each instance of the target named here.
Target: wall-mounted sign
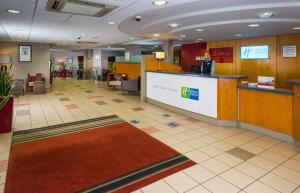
(199, 58)
(25, 54)
(70, 60)
(127, 56)
(289, 51)
(254, 52)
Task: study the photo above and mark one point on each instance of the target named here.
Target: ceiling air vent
(80, 7)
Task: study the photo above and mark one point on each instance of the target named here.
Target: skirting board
(221, 123)
(268, 132)
(297, 143)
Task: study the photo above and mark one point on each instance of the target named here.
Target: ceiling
(220, 19)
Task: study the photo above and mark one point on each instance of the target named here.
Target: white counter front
(192, 93)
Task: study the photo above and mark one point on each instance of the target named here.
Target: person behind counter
(208, 65)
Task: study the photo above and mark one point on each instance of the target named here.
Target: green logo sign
(190, 93)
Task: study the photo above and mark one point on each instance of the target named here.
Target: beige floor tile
(182, 147)
(288, 174)
(181, 182)
(252, 148)
(223, 146)
(237, 178)
(199, 173)
(158, 187)
(258, 187)
(2, 188)
(198, 189)
(263, 163)
(210, 150)
(196, 143)
(275, 157)
(2, 177)
(218, 185)
(278, 183)
(197, 156)
(251, 170)
(215, 166)
(183, 137)
(229, 159)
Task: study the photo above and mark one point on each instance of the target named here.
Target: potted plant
(63, 70)
(7, 83)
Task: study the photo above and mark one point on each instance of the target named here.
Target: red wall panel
(189, 53)
(222, 55)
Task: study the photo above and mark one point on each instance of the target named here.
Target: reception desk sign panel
(192, 93)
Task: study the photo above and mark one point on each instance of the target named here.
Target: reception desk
(210, 98)
(296, 110)
(267, 111)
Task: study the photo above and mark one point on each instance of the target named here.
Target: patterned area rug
(98, 155)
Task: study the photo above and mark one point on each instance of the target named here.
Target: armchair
(131, 85)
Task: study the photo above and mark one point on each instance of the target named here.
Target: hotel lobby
(149, 96)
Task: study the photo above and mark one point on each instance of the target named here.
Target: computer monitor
(195, 69)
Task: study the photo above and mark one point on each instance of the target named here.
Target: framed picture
(25, 53)
(70, 60)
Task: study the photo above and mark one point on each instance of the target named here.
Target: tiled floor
(229, 159)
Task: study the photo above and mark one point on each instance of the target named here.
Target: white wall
(40, 59)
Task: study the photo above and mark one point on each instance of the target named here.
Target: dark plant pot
(6, 115)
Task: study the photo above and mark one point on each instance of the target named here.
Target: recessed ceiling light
(199, 29)
(254, 25)
(132, 38)
(266, 15)
(296, 28)
(199, 39)
(238, 35)
(111, 22)
(156, 35)
(83, 35)
(174, 25)
(182, 36)
(14, 11)
(159, 2)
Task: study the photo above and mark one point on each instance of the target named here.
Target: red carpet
(99, 155)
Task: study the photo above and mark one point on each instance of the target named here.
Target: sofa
(131, 85)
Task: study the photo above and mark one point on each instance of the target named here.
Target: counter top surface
(203, 75)
(127, 62)
(277, 90)
(294, 82)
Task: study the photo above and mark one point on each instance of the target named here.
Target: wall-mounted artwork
(222, 55)
(70, 60)
(25, 53)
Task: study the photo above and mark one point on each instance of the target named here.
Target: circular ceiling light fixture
(111, 23)
(182, 36)
(132, 38)
(266, 15)
(199, 30)
(199, 39)
(14, 11)
(296, 28)
(174, 25)
(159, 2)
(156, 35)
(254, 25)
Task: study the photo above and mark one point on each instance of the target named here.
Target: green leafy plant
(7, 83)
(63, 66)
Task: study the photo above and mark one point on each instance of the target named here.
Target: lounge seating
(35, 78)
(19, 87)
(131, 85)
(115, 79)
(39, 87)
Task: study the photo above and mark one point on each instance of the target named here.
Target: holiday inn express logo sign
(190, 93)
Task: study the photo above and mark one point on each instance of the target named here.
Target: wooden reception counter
(296, 110)
(221, 100)
(267, 111)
